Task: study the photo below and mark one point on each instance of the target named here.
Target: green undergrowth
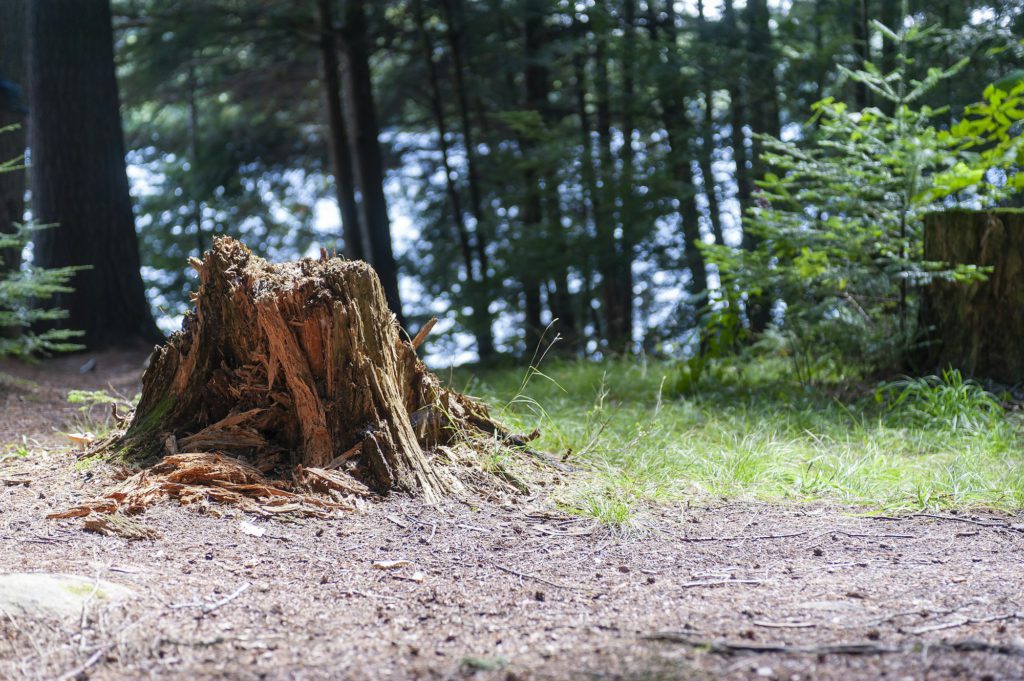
(752, 433)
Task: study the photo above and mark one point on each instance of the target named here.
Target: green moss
(85, 590)
(154, 417)
(88, 462)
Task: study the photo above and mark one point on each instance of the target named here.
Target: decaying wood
(297, 368)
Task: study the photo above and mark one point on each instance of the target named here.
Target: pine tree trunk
(976, 327)
(455, 19)
(12, 142)
(298, 364)
(764, 120)
(338, 136)
(480, 320)
(78, 172)
(544, 209)
(370, 165)
(680, 132)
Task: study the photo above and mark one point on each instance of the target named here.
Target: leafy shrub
(989, 140)
(838, 225)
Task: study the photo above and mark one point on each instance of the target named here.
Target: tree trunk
(78, 172)
(480, 320)
(707, 147)
(680, 130)
(12, 142)
(976, 327)
(298, 365)
(455, 20)
(338, 136)
(862, 46)
(543, 206)
(370, 166)
(764, 120)
(738, 111)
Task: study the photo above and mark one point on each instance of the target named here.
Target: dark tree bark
(370, 166)
(738, 109)
(543, 209)
(475, 271)
(975, 327)
(78, 172)
(862, 46)
(764, 120)
(680, 131)
(455, 20)
(13, 50)
(338, 135)
(614, 260)
(707, 147)
(592, 199)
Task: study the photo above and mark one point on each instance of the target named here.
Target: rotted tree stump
(299, 365)
(976, 327)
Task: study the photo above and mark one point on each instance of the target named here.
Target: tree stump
(976, 327)
(298, 366)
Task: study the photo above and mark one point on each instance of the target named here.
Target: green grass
(751, 433)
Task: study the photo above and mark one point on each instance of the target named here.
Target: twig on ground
(227, 599)
(542, 580)
(80, 669)
(965, 621)
(862, 535)
(722, 647)
(756, 537)
(785, 625)
(210, 607)
(980, 523)
(719, 582)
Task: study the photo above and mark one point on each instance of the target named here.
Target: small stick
(227, 599)
(74, 673)
(720, 582)
(965, 621)
(523, 575)
(421, 335)
(785, 625)
(979, 523)
(742, 538)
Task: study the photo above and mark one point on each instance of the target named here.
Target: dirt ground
(708, 589)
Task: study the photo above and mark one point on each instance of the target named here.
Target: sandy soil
(709, 589)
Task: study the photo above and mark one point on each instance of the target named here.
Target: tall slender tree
(473, 269)
(672, 91)
(338, 134)
(13, 118)
(764, 120)
(375, 222)
(78, 172)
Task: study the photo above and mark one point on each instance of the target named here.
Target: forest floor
(700, 588)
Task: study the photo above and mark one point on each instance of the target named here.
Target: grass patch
(935, 443)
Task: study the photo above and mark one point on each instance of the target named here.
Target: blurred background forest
(500, 163)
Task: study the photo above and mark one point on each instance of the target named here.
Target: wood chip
(390, 564)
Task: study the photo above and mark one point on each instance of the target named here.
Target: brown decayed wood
(298, 368)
